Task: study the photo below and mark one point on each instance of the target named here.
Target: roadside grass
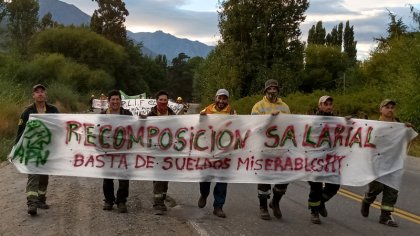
(414, 148)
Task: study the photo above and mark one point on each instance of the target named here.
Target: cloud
(198, 19)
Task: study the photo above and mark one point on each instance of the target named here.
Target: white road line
(201, 231)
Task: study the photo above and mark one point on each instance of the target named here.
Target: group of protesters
(271, 103)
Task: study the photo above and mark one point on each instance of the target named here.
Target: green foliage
(108, 20)
(349, 44)
(23, 22)
(397, 71)
(50, 68)
(325, 66)
(258, 36)
(83, 46)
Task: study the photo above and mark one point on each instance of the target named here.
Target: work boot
(264, 214)
(32, 208)
(42, 202)
(322, 210)
(387, 219)
(275, 206)
(107, 206)
(122, 207)
(159, 209)
(365, 209)
(202, 202)
(219, 212)
(315, 217)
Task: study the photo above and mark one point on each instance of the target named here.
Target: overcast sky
(198, 19)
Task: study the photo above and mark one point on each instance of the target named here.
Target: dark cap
(36, 86)
(271, 83)
(386, 102)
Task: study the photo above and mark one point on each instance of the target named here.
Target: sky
(198, 19)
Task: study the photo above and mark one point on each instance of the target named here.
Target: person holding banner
(160, 188)
(389, 194)
(220, 106)
(184, 106)
(320, 193)
(36, 187)
(270, 104)
(114, 107)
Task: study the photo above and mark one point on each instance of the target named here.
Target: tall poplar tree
(349, 43)
(260, 39)
(108, 20)
(23, 22)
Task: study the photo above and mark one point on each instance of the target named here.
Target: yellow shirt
(264, 107)
(211, 109)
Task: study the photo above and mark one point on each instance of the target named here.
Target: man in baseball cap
(36, 86)
(220, 106)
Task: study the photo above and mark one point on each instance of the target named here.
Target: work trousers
(320, 194)
(122, 192)
(160, 188)
(219, 193)
(36, 187)
(389, 195)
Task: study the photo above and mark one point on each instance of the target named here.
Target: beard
(221, 105)
(271, 96)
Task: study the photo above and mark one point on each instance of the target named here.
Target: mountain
(169, 45)
(153, 43)
(63, 13)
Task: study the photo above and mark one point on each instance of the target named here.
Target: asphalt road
(344, 216)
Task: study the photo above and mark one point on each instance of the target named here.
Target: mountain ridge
(154, 43)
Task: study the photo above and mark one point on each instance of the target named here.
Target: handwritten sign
(137, 106)
(193, 148)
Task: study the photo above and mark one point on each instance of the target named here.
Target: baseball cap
(36, 86)
(386, 102)
(222, 92)
(271, 83)
(324, 99)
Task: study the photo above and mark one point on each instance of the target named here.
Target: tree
(48, 22)
(396, 29)
(349, 44)
(261, 38)
(23, 22)
(415, 14)
(317, 34)
(109, 20)
(3, 11)
(324, 67)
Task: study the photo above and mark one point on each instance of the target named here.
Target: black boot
(365, 209)
(264, 209)
(315, 216)
(387, 219)
(42, 202)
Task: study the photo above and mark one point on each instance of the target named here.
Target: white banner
(137, 106)
(234, 149)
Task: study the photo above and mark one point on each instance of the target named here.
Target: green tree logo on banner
(34, 144)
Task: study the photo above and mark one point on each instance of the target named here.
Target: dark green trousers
(389, 195)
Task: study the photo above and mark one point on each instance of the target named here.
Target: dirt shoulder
(76, 209)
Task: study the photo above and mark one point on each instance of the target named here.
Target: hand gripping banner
(233, 149)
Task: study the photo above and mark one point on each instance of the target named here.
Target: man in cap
(36, 187)
(320, 194)
(389, 194)
(114, 107)
(220, 106)
(270, 104)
